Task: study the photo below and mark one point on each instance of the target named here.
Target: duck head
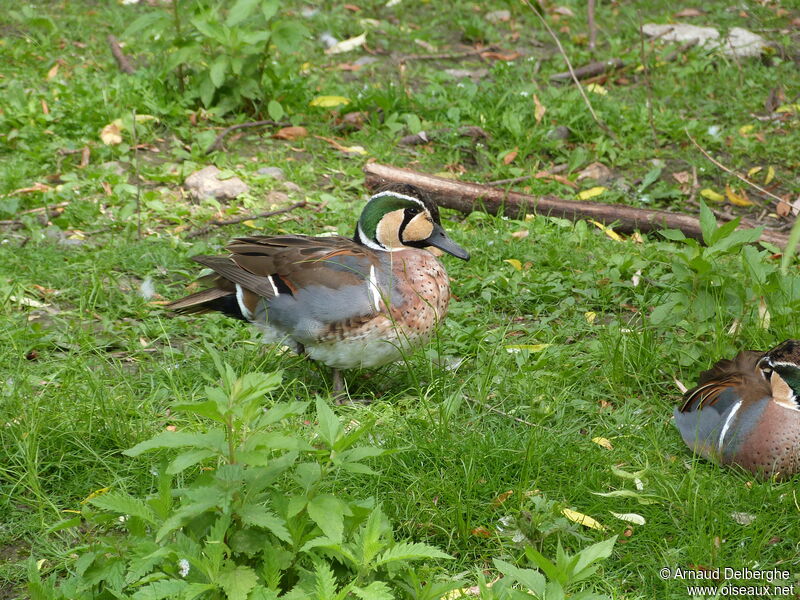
(402, 217)
(781, 367)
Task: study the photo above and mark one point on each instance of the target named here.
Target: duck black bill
(440, 240)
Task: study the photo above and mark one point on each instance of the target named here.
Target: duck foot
(340, 395)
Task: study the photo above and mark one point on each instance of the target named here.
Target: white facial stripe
(727, 425)
(274, 287)
(370, 244)
(397, 195)
(240, 301)
(372, 286)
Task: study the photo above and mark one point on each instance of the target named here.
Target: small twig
(592, 26)
(648, 85)
(586, 100)
(731, 171)
(591, 70)
(43, 209)
(215, 145)
(234, 221)
(123, 61)
(446, 55)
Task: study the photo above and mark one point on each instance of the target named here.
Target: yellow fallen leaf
(74, 512)
(502, 498)
(788, 108)
(538, 110)
(590, 316)
(634, 518)
(582, 519)
(596, 88)
(250, 223)
(710, 194)
(329, 101)
(770, 175)
(40, 563)
(604, 442)
(753, 171)
(591, 192)
(520, 235)
(737, 198)
(514, 263)
(745, 129)
(111, 134)
(53, 71)
(347, 45)
(95, 494)
(607, 230)
(512, 348)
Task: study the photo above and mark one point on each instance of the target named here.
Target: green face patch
(378, 207)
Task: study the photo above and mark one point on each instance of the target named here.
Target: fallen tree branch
(123, 62)
(466, 197)
(215, 145)
(446, 55)
(234, 221)
(591, 70)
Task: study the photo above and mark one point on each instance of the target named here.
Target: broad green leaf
(269, 8)
(708, 223)
(276, 441)
(409, 551)
(287, 35)
(194, 590)
(275, 110)
(124, 504)
(327, 512)
(161, 590)
(329, 426)
(237, 581)
(260, 516)
(208, 408)
(531, 579)
(188, 459)
(218, 70)
(140, 566)
(594, 553)
(324, 581)
(240, 11)
(377, 590)
(213, 440)
(369, 541)
(553, 573)
(675, 235)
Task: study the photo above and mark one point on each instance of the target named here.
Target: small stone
(276, 197)
(475, 74)
(274, 172)
(561, 132)
(291, 186)
(113, 166)
(205, 183)
(498, 16)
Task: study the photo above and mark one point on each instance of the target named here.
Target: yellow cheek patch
(388, 231)
(419, 228)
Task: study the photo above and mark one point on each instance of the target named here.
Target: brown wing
(741, 371)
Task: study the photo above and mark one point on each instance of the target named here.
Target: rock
(475, 75)
(498, 16)
(113, 166)
(276, 198)
(562, 132)
(274, 172)
(291, 186)
(205, 183)
(739, 42)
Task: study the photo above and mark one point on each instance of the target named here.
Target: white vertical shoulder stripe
(373, 290)
(240, 300)
(727, 425)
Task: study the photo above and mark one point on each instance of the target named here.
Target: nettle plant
(222, 53)
(726, 281)
(245, 510)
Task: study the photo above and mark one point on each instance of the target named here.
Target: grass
(95, 369)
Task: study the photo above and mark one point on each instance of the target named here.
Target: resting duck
(746, 411)
(347, 303)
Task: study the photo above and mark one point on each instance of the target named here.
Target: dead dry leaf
(563, 11)
(710, 194)
(689, 12)
(592, 193)
(506, 56)
(520, 235)
(736, 197)
(502, 498)
(539, 109)
(291, 133)
(36, 187)
(111, 134)
(509, 158)
(348, 44)
(603, 442)
(53, 71)
(596, 170)
(342, 148)
(555, 177)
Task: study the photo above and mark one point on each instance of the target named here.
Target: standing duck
(348, 303)
(746, 411)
